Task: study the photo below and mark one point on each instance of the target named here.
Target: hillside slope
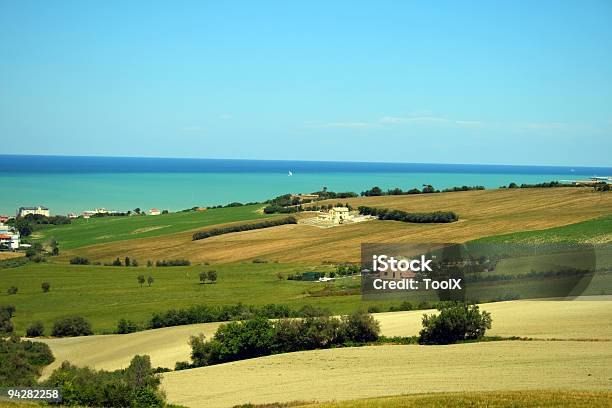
(481, 213)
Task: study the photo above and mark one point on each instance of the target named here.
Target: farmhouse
(40, 210)
(154, 211)
(338, 215)
(201, 208)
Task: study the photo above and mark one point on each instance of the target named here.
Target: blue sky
(445, 82)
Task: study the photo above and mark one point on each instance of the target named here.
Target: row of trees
(398, 215)
(224, 313)
(27, 224)
(243, 227)
(260, 336)
(12, 290)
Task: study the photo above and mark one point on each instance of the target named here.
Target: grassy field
(481, 213)
(104, 294)
(594, 231)
(83, 232)
(585, 320)
(365, 372)
(494, 399)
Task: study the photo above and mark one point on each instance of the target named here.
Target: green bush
(125, 326)
(173, 262)
(135, 386)
(243, 227)
(455, 322)
(12, 290)
(45, 286)
(79, 260)
(260, 337)
(36, 329)
(398, 215)
(71, 327)
(6, 313)
(21, 361)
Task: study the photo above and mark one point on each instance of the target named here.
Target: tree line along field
(481, 214)
(96, 230)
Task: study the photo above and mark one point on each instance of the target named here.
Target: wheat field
(375, 371)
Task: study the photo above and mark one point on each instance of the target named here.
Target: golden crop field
(539, 319)
(586, 320)
(491, 399)
(375, 371)
(165, 346)
(481, 213)
(10, 255)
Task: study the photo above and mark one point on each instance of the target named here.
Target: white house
(40, 210)
(339, 214)
(154, 211)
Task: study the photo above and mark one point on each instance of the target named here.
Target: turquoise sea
(75, 184)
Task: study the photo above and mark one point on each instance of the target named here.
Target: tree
(280, 276)
(512, 185)
(54, 247)
(149, 263)
(79, 260)
(212, 276)
(12, 290)
(127, 261)
(71, 326)
(429, 189)
(360, 327)
(141, 280)
(23, 226)
(36, 329)
(46, 286)
(203, 276)
(134, 262)
(150, 280)
(117, 262)
(455, 322)
(125, 326)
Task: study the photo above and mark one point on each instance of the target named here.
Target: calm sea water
(74, 184)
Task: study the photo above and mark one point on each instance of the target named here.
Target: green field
(83, 232)
(598, 230)
(104, 294)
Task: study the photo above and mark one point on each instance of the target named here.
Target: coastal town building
(9, 238)
(39, 210)
(154, 211)
(4, 218)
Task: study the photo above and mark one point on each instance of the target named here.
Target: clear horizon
(391, 82)
(307, 160)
